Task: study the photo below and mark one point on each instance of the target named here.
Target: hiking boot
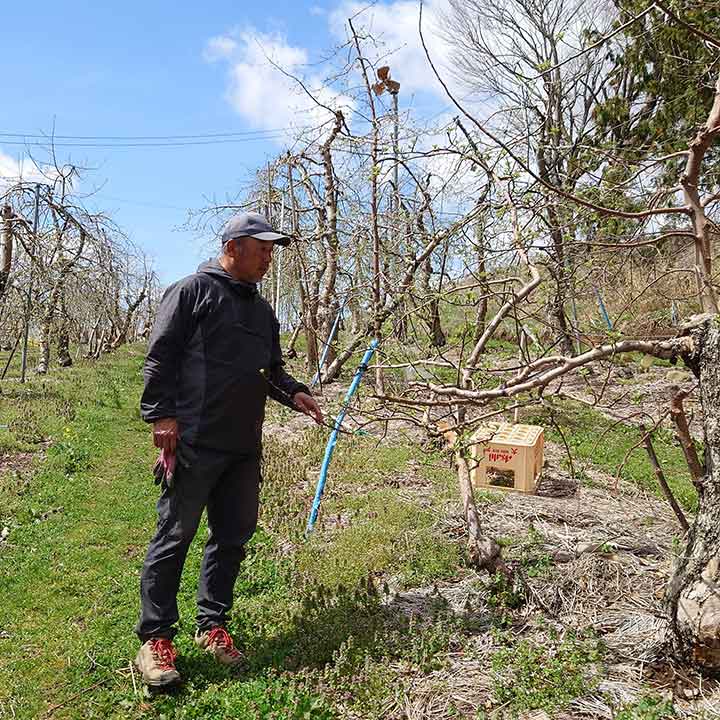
(156, 662)
(218, 643)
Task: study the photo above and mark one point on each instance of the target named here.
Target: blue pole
(327, 346)
(333, 436)
(603, 310)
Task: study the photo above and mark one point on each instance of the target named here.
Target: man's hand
(165, 434)
(307, 404)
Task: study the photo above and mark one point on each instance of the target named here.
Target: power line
(225, 141)
(199, 136)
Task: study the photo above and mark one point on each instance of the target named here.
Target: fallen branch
(662, 481)
(54, 708)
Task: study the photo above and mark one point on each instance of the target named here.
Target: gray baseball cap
(253, 225)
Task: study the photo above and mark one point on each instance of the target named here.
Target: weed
(366, 673)
(533, 676)
(25, 426)
(109, 390)
(387, 534)
(503, 593)
(488, 496)
(269, 697)
(71, 453)
(646, 708)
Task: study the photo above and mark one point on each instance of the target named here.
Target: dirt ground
(612, 554)
(611, 548)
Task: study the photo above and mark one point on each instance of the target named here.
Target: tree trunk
(559, 273)
(483, 290)
(55, 299)
(558, 267)
(483, 551)
(327, 302)
(122, 333)
(431, 314)
(307, 322)
(44, 360)
(690, 182)
(6, 247)
(374, 171)
(290, 351)
(693, 595)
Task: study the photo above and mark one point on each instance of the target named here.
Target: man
(213, 357)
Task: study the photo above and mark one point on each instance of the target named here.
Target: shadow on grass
(322, 626)
(413, 626)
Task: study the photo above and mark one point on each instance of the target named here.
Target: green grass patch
(647, 708)
(545, 676)
(317, 635)
(594, 438)
(385, 535)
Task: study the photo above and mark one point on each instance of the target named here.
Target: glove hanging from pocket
(164, 469)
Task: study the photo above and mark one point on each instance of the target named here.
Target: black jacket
(214, 357)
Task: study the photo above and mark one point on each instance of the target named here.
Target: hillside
(378, 615)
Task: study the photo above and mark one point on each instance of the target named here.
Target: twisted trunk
(54, 300)
(327, 300)
(693, 595)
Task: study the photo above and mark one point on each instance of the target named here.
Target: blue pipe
(327, 346)
(334, 434)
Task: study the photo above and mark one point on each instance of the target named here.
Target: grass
(594, 438)
(316, 619)
(647, 708)
(545, 676)
(387, 535)
(316, 634)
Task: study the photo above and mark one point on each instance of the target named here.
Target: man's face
(251, 258)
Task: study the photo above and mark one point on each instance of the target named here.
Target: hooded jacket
(213, 358)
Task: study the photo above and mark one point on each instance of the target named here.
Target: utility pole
(28, 304)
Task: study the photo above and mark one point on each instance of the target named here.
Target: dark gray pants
(228, 485)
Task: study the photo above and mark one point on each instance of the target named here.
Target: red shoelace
(164, 653)
(220, 636)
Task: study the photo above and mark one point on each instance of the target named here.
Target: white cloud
(20, 170)
(219, 48)
(394, 25)
(260, 92)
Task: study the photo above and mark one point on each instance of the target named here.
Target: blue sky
(172, 68)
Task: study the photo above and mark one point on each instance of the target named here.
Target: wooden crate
(507, 457)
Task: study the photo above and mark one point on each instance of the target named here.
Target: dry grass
(616, 550)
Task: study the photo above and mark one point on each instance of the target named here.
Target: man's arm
(170, 335)
(285, 388)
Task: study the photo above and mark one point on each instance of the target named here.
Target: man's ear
(231, 247)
